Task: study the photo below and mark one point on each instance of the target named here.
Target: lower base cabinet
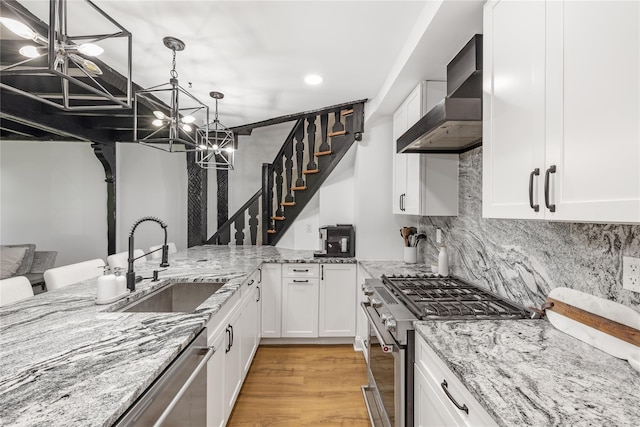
(440, 398)
(234, 332)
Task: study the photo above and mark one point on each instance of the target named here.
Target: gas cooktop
(436, 297)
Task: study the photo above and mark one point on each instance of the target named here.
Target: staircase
(316, 144)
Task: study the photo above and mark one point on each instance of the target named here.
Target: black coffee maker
(337, 241)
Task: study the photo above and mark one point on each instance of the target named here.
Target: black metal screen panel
(196, 202)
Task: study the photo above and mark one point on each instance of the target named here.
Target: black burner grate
(434, 297)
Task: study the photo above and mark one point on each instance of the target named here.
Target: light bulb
(29, 51)
(215, 147)
(186, 127)
(157, 122)
(188, 119)
(159, 114)
(85, 64)
(90, 49)
(202, 146)
(313, 79)
(19, 28)
(229, 149)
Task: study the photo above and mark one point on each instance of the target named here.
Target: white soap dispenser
(121, 281)
(107, 287)
(443, 262)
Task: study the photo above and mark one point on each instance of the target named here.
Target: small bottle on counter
(443, 262)
(121, 281)
(107, 286)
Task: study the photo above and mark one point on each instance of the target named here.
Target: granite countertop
(65, 361)
(526, 372)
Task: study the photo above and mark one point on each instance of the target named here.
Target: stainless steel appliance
(337, 241)
(393, 304)
(178, 396)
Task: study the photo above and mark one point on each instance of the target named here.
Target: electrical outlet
(308, 228)
(631, 273)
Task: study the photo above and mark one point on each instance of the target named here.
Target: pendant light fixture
(165, 116)
(61, 53)
(217, 150)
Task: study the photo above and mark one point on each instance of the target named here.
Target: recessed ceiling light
(313, 79)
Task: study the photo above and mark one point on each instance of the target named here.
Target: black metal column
(223, 196)
(196, 202)
(106, 153)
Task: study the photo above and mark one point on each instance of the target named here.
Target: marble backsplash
(524, 260)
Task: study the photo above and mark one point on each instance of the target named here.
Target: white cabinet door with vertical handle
(337, 300)
(299, 308)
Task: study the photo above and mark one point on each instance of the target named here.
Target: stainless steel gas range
(393, 304)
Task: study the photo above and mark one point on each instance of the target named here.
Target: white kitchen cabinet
(337, 309)
(423, 184)
(300, 307)
(250, 327)
(271, 290)
(562, 108)
(232, 362)
(433, 406)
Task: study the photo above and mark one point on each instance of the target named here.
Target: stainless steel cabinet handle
(445, 387)
(163, 417)
(300, 281)
(535, 172)
(552, 169)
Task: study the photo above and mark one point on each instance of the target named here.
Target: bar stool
(59, 277)
(156, 255)
(14, 289)
(121, 259)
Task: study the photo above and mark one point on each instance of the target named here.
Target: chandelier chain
(174, 73)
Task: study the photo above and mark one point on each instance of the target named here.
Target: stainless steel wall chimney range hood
(455, 124)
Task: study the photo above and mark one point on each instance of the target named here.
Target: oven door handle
(386, 345)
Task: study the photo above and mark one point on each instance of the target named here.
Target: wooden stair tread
(304, 187)
(271, 231)
(346, 112)
(338, 133)
(310, 171)
(277, 218)
(288, 204)
(323, 153)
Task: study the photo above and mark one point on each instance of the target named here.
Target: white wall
(377, 229)
(254, 150)
(150, 182)
(53, 194)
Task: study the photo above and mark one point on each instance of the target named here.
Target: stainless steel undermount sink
(182, 297)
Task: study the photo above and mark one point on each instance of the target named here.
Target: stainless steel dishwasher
(178, 396)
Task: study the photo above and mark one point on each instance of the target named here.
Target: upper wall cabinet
(423, 184)
(561, 130)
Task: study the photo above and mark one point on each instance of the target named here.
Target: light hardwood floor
(304, 385)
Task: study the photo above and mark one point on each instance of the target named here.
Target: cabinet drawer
(436, 372)
(300, 270)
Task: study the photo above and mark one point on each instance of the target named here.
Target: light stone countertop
(65, 361)
(526, 372)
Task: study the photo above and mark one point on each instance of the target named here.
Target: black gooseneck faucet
(131, 275)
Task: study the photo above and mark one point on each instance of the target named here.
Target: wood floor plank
(305, 385)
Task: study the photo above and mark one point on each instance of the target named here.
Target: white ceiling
(258, 52)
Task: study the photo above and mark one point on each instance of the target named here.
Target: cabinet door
(271, 289)
(593, 110)
(337, 300)
(215, 383)
(232, 362)
(429, 410)
(249, 332)
(513, 131)
(399, 160)
(300, 308)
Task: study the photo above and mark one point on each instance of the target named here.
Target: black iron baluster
(279, 181)
(311, 140)
(324, 123)
(299, 155)
(288, 165)
(337, 128)
(239, 225)
(267, 200)
(253, 220)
